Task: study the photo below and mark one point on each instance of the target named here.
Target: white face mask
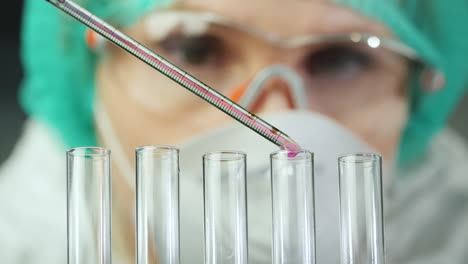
(319, 134)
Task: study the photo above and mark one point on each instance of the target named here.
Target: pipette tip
(288, 143)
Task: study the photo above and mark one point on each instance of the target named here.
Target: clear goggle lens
(333, 73)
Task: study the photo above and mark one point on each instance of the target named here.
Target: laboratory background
(11, 115)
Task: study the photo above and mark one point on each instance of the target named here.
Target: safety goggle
(332, 72)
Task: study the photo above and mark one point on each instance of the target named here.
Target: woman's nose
(275, 95)
(277, 87)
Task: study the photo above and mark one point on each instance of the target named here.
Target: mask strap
(94, 41)
(106, 130)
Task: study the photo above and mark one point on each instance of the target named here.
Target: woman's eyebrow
(326, 18)
(344, 20)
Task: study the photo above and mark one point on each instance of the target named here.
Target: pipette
(171, 71)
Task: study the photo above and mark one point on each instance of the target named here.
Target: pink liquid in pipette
(292, 147)
(208, 94)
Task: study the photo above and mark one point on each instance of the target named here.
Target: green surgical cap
(59, 69)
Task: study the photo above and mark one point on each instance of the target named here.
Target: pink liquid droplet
(292, 147)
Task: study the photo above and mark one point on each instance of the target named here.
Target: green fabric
(59, 68)
(438, 30)
(59, 83)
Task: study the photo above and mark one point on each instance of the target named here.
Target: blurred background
(11, 115)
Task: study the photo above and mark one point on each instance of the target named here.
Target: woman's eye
(338, 62)
(194, 51)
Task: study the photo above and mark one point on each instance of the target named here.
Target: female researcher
(358, 75)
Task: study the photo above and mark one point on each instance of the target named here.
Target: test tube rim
(163, 149)
(81, 152)
(283, 154)
(211, 156)
(368, 157)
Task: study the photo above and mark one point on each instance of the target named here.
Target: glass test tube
(157, 190)
(225, 199)
(89, 206)
(362, 238)
(292, 183)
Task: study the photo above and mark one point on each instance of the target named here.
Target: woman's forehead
(292, 17)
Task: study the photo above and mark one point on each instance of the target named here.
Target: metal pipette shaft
(171, 71)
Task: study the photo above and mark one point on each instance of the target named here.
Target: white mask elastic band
(110, 140)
